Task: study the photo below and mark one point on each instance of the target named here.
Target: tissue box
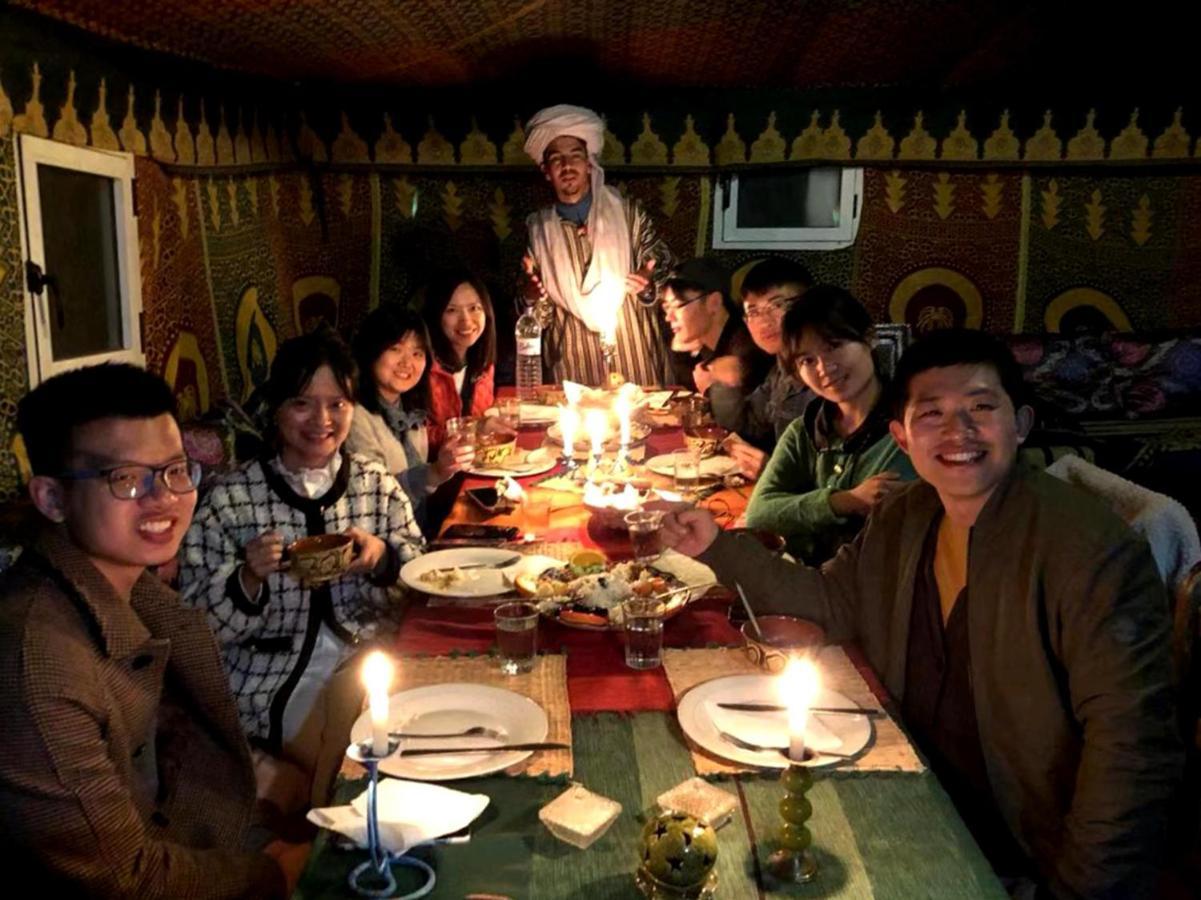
(701, 800)
(578, 816)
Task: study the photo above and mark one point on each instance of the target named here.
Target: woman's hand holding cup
(264, 555)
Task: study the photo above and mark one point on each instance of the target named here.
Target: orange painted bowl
(782, 637)
(493, 448)
(705, 439)
(321, 557)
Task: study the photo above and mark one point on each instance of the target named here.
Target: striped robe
(570, 351)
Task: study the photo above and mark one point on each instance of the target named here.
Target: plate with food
(712, 467)
(587, 591)
(469, 571)
(519, 464)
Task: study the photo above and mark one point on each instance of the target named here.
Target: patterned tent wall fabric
(242, 245)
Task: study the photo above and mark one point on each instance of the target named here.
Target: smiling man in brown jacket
(123, 767)
(1021, 626)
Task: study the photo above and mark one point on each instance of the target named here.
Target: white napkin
(539, 411)
(410, 813)
(769, 729)
(658, 399)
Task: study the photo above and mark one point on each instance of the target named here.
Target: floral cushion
(1114, 376)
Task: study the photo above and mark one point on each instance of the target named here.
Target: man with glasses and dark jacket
(123, 767)
(768, 290)
(712, 351)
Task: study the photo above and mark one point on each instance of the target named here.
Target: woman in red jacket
(462, 330)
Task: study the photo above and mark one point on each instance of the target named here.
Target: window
(793, 209)
(80, 243)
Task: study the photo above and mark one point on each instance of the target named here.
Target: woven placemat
(890, 750)
(545, 684)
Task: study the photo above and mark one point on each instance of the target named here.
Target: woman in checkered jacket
(285, 644)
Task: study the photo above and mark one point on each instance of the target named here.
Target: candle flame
(621, 406)
(377, 672)
(569, 424)
(799, 686)
(609, 295)
(597, 424)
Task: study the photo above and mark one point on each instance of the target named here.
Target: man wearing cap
(593, 258)
(712, 351)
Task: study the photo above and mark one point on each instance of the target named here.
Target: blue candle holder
(373, 877)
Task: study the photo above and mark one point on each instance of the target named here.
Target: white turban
(557, 121)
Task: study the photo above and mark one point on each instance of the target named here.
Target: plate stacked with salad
(588, 591)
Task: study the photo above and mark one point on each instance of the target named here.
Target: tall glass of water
(642, 622)
(644, 525)
(687, 466)
(516, 636)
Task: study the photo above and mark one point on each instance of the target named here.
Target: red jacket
(446, 401)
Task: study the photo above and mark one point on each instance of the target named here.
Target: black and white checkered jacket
(266, 643)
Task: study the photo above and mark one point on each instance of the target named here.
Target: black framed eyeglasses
(678, 304)
(776, 306)
(130, 482)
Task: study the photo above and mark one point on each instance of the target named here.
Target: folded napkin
(658, 399)
(539, 411)
(410, 813)
(770, 729)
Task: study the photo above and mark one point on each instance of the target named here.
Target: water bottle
(529, 354)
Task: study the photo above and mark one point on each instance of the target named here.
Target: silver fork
(473, 731)
(757, 748)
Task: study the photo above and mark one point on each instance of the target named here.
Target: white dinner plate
(711, 466)
(477, 583)
(448, 708)
(521, 464)
(532, 413)
(852, 732)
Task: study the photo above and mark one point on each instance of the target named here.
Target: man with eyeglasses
(123, 767)
(712, 351)
(768, 290)
(594, 258)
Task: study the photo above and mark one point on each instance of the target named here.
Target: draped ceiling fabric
(299, 161)
(725, 84)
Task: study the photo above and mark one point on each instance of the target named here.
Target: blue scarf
(576, 213)
(403, 423)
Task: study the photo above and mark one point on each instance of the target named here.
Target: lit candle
(622, 406)
(799, 686)
(569, 423)
(598, 425)
(377, 678)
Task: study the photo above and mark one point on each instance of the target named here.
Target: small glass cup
(509, 410)
(642, 624)
(465, 428)
(687, 467)
(644, 525)
(536, 509)
(516, 636)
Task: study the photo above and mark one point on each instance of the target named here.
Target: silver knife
(825, 710)
(501, 748)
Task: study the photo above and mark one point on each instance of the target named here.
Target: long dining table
(875, 834)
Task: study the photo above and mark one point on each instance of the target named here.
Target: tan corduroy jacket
(124, 771)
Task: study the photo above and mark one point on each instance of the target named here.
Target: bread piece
(701, 800)
(578, 816)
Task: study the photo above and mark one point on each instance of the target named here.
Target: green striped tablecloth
(875, 835)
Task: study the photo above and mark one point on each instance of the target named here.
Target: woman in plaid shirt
(285, 644)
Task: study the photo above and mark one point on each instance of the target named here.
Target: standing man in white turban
(593, 259)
